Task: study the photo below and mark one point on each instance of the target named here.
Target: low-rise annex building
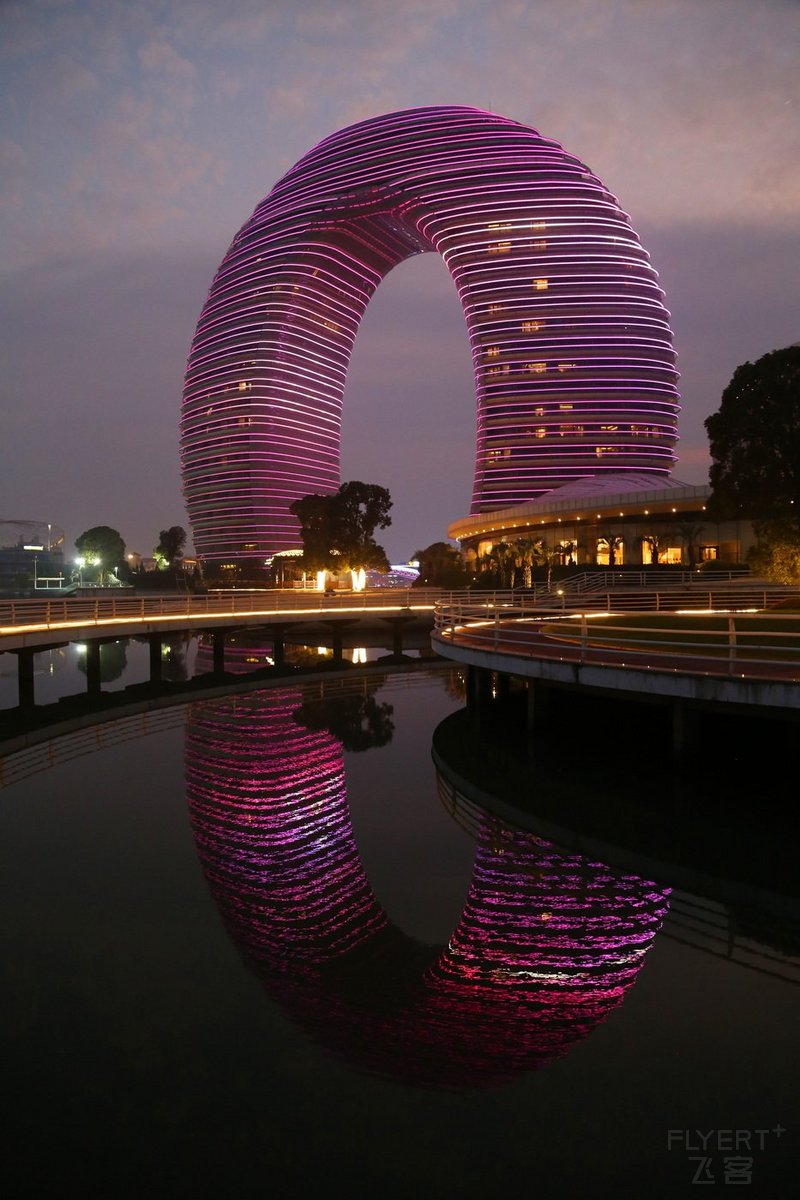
(617, 520)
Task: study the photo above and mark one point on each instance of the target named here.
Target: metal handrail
(70, 611)
(734, 650)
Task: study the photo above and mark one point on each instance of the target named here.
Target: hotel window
(245, 387)
(492, 351)
(498, 248)
(539, 226)
(540, 285)
(601, 450)
(565, 407)
(538, 412)
(541, 431)
(576, 430)
(567, 366)
(540, 245)
(709, 553)
(497, 308)
(532, 326)
(497, 226)
(536, 368)
(609, 428)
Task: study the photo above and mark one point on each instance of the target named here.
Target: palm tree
(658, 543)
(613, 540)
(689, 534)
(530, 552)
(505, 555)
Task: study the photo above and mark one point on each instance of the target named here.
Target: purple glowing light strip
(547, 945)
(560, 300)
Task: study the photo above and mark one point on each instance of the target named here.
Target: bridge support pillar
(397, 625)
(337, 629)
(479, 693)
(218, 650)
(25, 686)
(336, 642)
(537, 704)
(154, 642)
(684, 731)
(276, 632)
(93, 682)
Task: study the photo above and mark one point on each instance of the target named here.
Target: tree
(337, 529)
(505, 556)
(776, 555)
(440, 565)
(754, 441)
(689, 534)
(613, 541)
(102, 547)
(170, 546)
(530, 551)
(659, 543)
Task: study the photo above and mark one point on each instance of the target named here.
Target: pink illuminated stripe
(547, 945)
(560, 300)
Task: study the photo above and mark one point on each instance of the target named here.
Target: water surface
(248, 944)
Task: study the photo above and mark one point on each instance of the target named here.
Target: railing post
(584, 636)
(731, 644)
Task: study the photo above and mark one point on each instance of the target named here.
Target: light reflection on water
(546, 946)
(220, 967)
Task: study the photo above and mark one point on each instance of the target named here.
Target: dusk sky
(138, 137)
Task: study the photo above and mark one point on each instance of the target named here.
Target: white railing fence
(744, 641)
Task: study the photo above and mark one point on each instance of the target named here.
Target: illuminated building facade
(572, 350)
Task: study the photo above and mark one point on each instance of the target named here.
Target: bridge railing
(742, 644)
(79, 610)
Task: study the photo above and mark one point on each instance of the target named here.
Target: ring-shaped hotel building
(572, 350)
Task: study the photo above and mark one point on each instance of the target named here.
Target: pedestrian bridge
(29, 626)
(729, 652)
(38, 624)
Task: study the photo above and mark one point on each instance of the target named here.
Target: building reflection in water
(547, 945)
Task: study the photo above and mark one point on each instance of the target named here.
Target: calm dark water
(256, 948)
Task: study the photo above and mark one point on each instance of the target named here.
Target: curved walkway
(758, 667)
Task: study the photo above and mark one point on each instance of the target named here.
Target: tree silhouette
(103, 543)
(440, 565)
(754, 441)
(337, 530)
(688, 532)
(170, 545)
(359, 722)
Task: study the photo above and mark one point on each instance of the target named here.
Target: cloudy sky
(138, 137)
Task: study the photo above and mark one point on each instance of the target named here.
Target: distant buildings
(574, 368)
(31, 556)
